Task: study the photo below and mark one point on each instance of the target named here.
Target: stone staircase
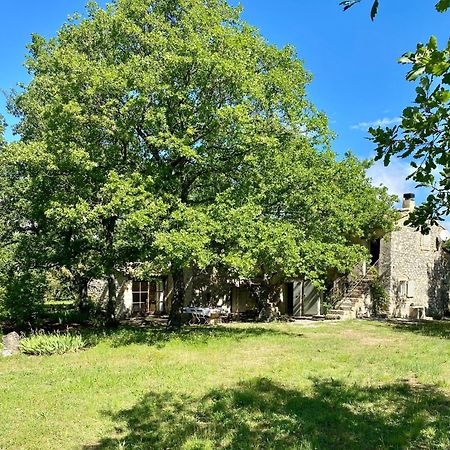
(352, 303)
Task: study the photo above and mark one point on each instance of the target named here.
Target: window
(410, 289)
(144, 297)
(405, 288)
(140, 296)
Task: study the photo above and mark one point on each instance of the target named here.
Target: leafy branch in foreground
(347, 4)
(441, 6)
(423, 136)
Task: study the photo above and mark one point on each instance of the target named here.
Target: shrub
(380, 298)
(41, 343)
(326, 306)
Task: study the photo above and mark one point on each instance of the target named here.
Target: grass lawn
(349, 385)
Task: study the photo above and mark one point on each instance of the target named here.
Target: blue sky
(357, 81)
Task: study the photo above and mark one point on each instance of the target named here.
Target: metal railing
(341, 292)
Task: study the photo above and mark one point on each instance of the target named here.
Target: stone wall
(409, 258)
(98, 293)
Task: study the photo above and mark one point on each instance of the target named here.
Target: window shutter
(426, 242)
(410, 289)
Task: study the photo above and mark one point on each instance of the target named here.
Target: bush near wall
(380, 298)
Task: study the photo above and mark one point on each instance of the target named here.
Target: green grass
(353, 385)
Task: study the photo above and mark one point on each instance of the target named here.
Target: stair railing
(341, 293)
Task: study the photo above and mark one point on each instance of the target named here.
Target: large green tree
(300, 213)
(177, 92)
(146, 127)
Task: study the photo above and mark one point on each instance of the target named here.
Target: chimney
(408, 201)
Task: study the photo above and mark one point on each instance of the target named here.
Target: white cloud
(446, 223)
(384, 122)
(393, 176)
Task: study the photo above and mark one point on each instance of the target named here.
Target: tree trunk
(177, 300)
(112, 301)
(267, 296)
(110, 226)
(83, 300)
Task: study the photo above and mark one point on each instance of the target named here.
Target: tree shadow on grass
(436, 328)
(261, 414)
(159, 336)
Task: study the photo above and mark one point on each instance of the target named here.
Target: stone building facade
(154, 296)
(414, 268)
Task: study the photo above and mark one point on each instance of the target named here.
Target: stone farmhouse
(413, 268)
(154, 297)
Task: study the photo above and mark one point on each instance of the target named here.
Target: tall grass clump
(57, 343)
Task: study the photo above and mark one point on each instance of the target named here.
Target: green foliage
(60, 287)
(446, 245)
(2, 131)
(22, 299)
(326, 306)
(66, 313)
(135, 119)
(301, 212)
(424, 133)
(423, 136)
(442, 5)
(347, 4)
(56, 343)
(173, 136)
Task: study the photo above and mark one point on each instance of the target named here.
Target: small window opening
(403, 288)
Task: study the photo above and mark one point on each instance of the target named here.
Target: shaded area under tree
(262, 414)
(159, 336)
(436, 328)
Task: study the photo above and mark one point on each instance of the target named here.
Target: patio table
(201, 315)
